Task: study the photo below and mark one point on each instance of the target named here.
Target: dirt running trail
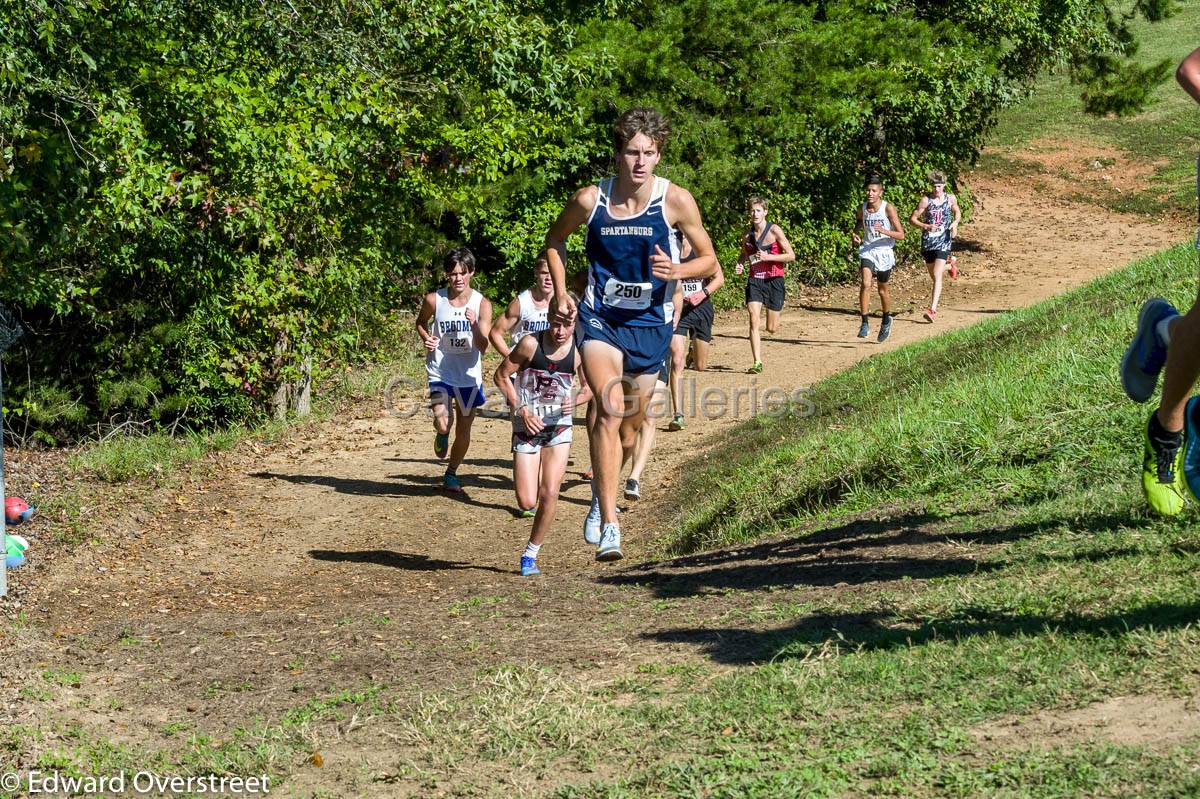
(333, 558)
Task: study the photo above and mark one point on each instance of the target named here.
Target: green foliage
(196, 199)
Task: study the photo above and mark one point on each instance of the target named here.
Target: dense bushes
(198, 199)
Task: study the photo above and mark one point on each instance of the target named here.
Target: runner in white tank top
(877, 232)
(528, 313)
(453, 325)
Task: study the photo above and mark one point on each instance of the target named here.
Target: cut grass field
(1163, 136)
(1042, 643)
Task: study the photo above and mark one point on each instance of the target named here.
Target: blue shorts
(643, 347)
(467, 397)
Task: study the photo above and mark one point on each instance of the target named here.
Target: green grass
(1025, 409)
(1164, 134)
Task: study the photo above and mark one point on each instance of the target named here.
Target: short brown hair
(648, 121)
(459, 256)
(937, 176)
(756, 200)
(542, 261)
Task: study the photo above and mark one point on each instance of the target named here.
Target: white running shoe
(591, 525)
(610, 543)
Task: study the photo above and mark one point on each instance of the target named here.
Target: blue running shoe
(1145, 355)
(864, 330)
(529, 566)
(610, 543)
(591, 525)
(441, 445)
(1191, 447)
(452, 484)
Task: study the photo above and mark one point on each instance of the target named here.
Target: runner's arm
(916, 215)
(501, 326)
(787, 256)
(954, 209)
(428, 308)
(685, 215)
(483, 325)
(573, 217)
(677, 302)
(856, 239)
(1188, 74)
(894, 218)
(516, 359)
(585, 391)
(718, 280)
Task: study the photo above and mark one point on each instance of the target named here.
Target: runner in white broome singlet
(881, 229)
(528, 313)
(453, 325)
(937, 216)
(626, 310)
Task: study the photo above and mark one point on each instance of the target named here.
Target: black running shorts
(696, 321)
(767, 290)
(881, 275)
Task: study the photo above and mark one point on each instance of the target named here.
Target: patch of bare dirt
(1156, 722)
(1067, 168)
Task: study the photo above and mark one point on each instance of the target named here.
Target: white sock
(531, 550)
(1163, 330)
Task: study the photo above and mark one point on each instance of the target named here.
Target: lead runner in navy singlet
(626, 311)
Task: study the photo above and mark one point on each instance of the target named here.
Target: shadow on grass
(878, 630)
(877, 551)
(858, 552)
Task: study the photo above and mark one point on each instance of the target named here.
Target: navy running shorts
(643, 348)
(467, 397)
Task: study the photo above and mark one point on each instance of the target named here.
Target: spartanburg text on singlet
(456, 360)
(533, 319)
(939, 215)
(621, 288)
(544, 385)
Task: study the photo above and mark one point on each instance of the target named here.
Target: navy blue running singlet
(621, 288)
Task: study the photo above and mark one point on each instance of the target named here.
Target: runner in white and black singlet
(878, 230)
(453, 325)
(528, 313)
(937, 216)
(538, 378)
(626, 311)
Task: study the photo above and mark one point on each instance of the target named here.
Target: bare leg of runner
(755, 311)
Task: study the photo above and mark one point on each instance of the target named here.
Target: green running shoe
(1162, 476)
